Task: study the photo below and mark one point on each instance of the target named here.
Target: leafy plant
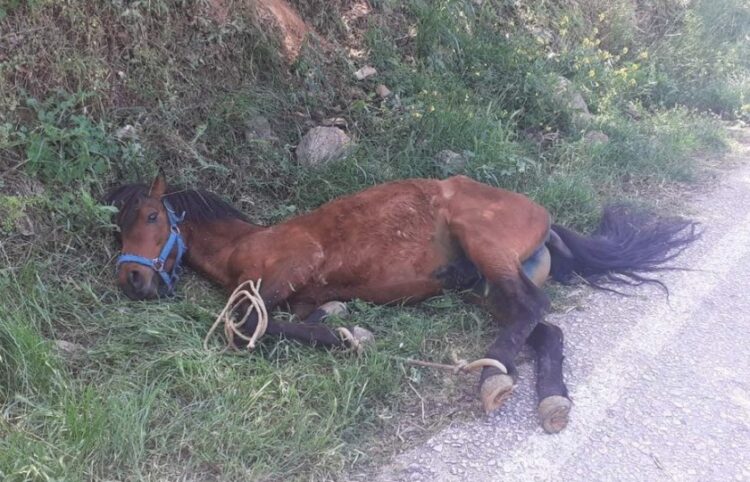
(66, 145)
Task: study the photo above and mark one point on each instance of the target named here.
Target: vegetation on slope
(97, 93)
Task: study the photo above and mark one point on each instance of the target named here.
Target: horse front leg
(356, 336)
(308, 333)
(311, 330)
(554, 404)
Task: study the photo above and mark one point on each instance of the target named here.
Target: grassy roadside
(136, 397)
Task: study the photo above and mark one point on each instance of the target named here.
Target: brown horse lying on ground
(397, 242)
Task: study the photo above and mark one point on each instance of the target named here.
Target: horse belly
(395, 274)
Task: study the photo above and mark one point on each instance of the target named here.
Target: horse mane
(199, 206)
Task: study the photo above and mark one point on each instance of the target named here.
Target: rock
(570, 98)
(382, 91)
(595, 137)
(24, 225)
(632, 111)
(322, 145)
(126, 132)
(258, 129)
(542, 34)
(452, 162)
(281, 16)
(70, 349)
(365, 72)
(542, 138)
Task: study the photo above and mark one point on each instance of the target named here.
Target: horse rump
(627, 241)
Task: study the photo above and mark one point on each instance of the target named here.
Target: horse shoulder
(283, 254)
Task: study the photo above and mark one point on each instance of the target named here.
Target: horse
(397, 242)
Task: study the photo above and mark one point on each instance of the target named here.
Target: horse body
(396, 242)
(402, 241)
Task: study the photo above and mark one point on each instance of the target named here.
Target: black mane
(199, 206)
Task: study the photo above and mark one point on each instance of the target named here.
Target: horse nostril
(134, 278)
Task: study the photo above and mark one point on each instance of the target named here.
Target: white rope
(460, 366)
(249, 291)
(245, 292)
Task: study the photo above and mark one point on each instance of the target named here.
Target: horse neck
(210, 244)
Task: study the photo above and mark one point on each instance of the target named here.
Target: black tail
(626, 242)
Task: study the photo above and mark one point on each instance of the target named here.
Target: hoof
(363, 336)
(553, 412)
(494, 391)
(335, 308)
(358, 338)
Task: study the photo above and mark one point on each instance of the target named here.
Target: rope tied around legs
(357, 344)
(249, 291)
(459, 365)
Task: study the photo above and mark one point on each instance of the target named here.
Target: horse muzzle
(140, 283)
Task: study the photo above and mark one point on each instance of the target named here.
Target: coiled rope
(245, 292)
(249, 291)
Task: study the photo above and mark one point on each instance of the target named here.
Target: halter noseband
(157, 264)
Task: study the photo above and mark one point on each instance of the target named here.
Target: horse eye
(152, 217)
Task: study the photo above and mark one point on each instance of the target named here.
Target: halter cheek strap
(174, 241)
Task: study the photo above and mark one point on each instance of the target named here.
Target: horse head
(152, 246)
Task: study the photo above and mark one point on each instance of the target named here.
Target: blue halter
(157, 264)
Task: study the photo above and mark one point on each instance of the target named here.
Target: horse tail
(627, 242)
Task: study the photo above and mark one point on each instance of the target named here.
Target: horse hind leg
(518, 305)
(554, 404)
(514, 298)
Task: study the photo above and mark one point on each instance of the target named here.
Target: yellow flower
(624, 50)
(643, 55)
(592, 73)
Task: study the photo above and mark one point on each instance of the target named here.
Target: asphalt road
(661, 387)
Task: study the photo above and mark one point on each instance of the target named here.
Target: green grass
(142, 400)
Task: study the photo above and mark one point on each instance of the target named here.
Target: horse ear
(158, 186)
